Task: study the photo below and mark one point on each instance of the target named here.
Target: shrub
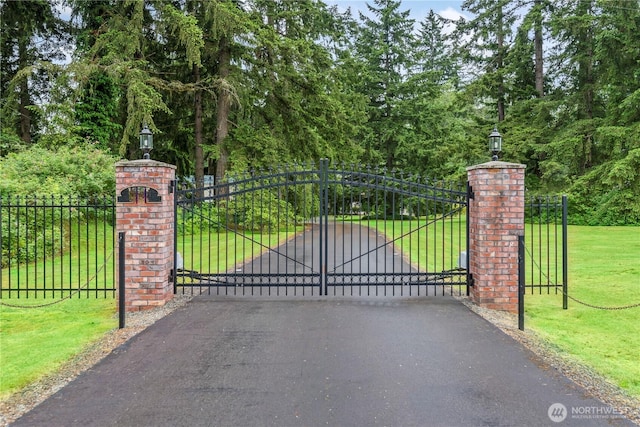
(38, 178)
(80, 171)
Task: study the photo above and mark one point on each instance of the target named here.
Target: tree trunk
(25, 114)
(197, 105)
(500, 66)
(224, 107)
(537, 40)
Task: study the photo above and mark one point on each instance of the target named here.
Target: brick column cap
(144, 162)
(497, 165)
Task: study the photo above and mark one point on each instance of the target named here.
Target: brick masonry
(496, 219)
(149, 231)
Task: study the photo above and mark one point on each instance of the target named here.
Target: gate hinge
(470, 280)
(171, 275)
(172, 186)
(470, 193)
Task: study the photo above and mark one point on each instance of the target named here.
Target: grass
(604, 270)
(34, 342)
(37, 340)
(217, 252)
(431, 246)
(87, 263)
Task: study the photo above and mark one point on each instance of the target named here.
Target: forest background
(231, 85)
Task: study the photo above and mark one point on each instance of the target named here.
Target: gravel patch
(550, 357)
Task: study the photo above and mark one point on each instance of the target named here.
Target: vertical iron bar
(324, 234)
(26, 247)
(9, 245)
(393, 233)
(175, 236)
(540, 200)
(555, 242)
(320, 222)
(61, 206)
(70, 224)
(565, 253)
(521, 281)
(53, 247)
(548, 245)
(1, 251)
(121, 271)
(35, 248)
(532, 220)
(468, 231)
(95, 208)
(17, 200)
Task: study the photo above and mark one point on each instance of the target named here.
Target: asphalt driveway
(316, 362)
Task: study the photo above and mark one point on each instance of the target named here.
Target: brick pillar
(144, 210)
(496, 219)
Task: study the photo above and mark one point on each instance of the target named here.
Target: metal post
(565, 253)
(521, 280)
(468, 252)
(121, 270)
(324, 227)
(174, 275)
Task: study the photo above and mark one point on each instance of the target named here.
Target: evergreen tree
(387, 46)
(489, 43)
(31, 33)
(294, 106)
(435, 54)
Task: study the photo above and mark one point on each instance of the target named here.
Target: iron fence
(546, 245)
(57, 247)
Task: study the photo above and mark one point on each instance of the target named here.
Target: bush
(262, 211)
(35, 178)
(80, 171)
(200, 217)
(608, 195)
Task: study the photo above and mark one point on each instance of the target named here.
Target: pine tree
(488, 46)
(387, 46)
(31, 32)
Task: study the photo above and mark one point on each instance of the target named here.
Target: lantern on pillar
(495, 143)
(146, 141)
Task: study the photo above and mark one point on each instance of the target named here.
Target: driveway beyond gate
(312, 362)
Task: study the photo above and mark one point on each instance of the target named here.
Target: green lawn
(36, 341)
(87, 262)
(604, 270)
(216, 252)
(431, 246)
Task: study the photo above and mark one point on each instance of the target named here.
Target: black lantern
(146, 141)
(495, 143)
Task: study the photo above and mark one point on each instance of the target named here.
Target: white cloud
(453, 14)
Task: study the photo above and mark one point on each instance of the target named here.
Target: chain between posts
(586, 304)
(75, 292)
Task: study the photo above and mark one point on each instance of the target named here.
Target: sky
(450, 9)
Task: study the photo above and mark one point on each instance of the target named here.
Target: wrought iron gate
(319, 230)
